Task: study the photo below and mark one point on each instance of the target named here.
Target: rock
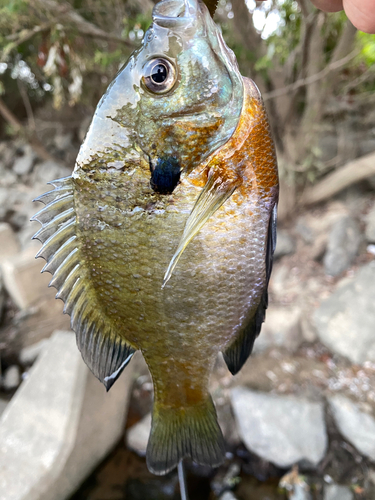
(137, 436)
(281, 429)
(11, 378)
(9, 244)
(285, 244)
(336, 492)
(23, 164)
(345, 321)
(370, 226)
(23, 279)
(343, 244)
(30, 353)
(281, 328)
(49, 171)
(227, 495)
(63, 141)
(355, 425)
(3, 405)
(59, 425)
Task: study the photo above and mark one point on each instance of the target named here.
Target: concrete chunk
(9, 245)
(59, 425)
(23, 280)
(281, 429)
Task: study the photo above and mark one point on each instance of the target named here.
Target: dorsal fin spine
(64, 269)
(54, 262)
(69, 284)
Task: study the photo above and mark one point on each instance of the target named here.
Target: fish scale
(162, 239)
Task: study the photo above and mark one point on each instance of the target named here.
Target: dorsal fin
(104, 352)
(237, 353)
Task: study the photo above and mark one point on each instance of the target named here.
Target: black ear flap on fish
(104, 352)
(212, 197)
(237, 353)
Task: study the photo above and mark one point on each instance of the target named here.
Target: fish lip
(175, 13)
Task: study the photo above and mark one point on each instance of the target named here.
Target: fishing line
(182, 480)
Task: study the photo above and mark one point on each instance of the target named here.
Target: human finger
(361, 13)
(328, 5)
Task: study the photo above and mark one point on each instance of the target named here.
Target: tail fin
(184, 432)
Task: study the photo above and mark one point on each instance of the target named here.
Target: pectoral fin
(212, 197)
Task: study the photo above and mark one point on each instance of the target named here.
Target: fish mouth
(175, 13)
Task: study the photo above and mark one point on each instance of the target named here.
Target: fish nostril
(165, 175)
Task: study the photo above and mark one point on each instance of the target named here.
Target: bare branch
(30, 136)
(64, 12)
(21, 37)
(311, 79)
(352, 172)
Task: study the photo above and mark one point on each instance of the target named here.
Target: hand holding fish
(162, 239)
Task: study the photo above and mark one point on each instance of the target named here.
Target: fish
(162, 238)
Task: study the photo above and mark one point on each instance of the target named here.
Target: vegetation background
(315, 70)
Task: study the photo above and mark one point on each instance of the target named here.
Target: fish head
(176, 100)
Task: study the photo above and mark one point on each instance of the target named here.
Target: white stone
(30, 353)
(281, 429)
(282, 328)
(59, 425)
(12, 378)
(137, 436)
(24, 281)
(345, 321)
(3, 405)
(355, 425)
(9, 245)
(336, 492)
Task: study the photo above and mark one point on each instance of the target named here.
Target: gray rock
(281, 328)
(285, 244)
(345, 321)
(343, 244)
(23, 164)
(9, 243)
(3, 405)
(30, 353)
(59, 425)
(11, 378)
(336, 492)
(355, 425)
(137, 436)
(281, 429)
(370, 226)
(227, 495)
(49, 170)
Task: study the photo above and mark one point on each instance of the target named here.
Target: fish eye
(159, 75)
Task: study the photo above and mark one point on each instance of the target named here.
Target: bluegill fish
(162, 238)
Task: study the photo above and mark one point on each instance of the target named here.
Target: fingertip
(328, 5)
(362, 14)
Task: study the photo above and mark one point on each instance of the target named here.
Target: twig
(17, 38)
(182, 480)
(353, 172)
(30, 136)
(64, 12)
(311, 79)
(26, 103)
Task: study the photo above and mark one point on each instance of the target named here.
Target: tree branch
(30, 136)
(311, 79)
(352, 172)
